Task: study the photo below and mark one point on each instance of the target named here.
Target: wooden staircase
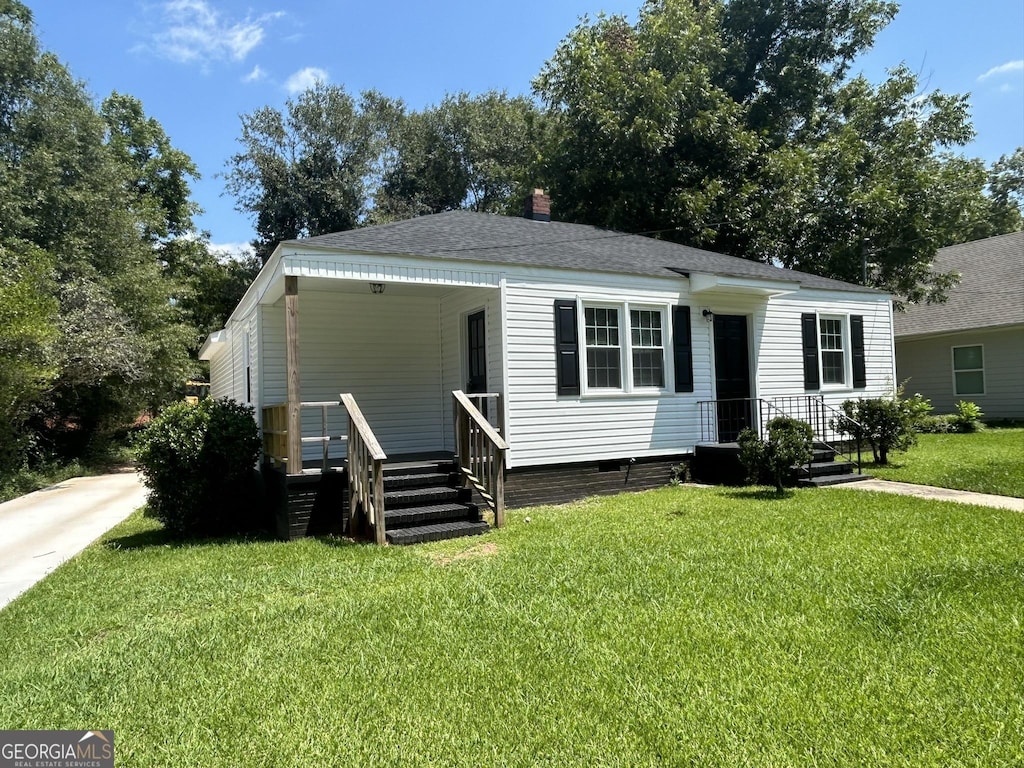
(824, 470)
(425, 501)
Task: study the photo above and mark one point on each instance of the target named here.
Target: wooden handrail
(365, 470)
(275, 433)
(481, 453)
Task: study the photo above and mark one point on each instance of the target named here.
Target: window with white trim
(832, 346)
(604, 355)
(648, 348)
(622, 357)
(969, 370)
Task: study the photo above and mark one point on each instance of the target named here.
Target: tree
(89, 202)
(735, 126)
(308, 171)
(469, 152)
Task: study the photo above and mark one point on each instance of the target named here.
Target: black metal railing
(721, 421)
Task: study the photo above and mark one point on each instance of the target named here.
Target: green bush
(198, 462)
(967, 417)
(789, 444)
(885, 423)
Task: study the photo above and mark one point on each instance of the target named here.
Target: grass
(991, 461)
(685, 626)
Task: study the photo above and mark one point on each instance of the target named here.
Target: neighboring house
(608, 350)
(970, 348)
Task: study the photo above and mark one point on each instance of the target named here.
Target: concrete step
(826, 480)
(821, 468)
(436, 532)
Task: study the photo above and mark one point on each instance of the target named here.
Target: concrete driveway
(40, 531)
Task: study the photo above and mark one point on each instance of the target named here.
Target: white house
(611, 352)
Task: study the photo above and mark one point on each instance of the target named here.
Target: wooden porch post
(291, 344)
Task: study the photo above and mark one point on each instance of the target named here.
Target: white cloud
(255, 76)
(224, 251)
(305, 79)
(194, 31)
(1003, 69)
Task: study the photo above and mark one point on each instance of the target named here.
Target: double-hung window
(648, 348)
(968, 370)
(833, 350)
(620, 357)
(604, 354)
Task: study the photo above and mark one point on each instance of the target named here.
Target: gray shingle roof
(481, 237)
(990, 293)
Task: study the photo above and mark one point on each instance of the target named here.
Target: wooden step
(436, 531)
(414, 497)
(434, 513)
(416, 480)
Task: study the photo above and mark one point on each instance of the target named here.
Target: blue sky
(197, 65)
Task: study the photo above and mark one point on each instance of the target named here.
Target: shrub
(885, 423)
(967, 417)
(937, 425)
(198, 462)
(789, 444)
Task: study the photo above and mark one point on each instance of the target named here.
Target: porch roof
(465, 236)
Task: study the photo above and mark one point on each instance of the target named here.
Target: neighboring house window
(604, 355)
(833, 355)
(648, 348)
(968, 370)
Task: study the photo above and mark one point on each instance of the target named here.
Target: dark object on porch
(561, 483)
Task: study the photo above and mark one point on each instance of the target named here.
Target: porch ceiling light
(377, 287)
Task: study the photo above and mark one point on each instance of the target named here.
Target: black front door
(476, 351)
(732, 376)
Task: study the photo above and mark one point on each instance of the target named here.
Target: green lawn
(991, 461)
(685, 626)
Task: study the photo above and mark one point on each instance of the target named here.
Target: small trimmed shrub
(885, 423)
(789, 444)
(198, 462)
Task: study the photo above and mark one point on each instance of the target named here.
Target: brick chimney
(538, 206)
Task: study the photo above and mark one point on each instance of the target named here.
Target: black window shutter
(567, 347)
(860, 378)
(809, 327)
(682, 349)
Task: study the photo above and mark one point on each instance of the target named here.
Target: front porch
(402, 499)
(835, 458)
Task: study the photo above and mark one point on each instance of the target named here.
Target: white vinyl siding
(220, 373)
(776, 339)
(384, 349)
(546, 428)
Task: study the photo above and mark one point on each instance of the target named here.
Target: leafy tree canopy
(734, 125)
